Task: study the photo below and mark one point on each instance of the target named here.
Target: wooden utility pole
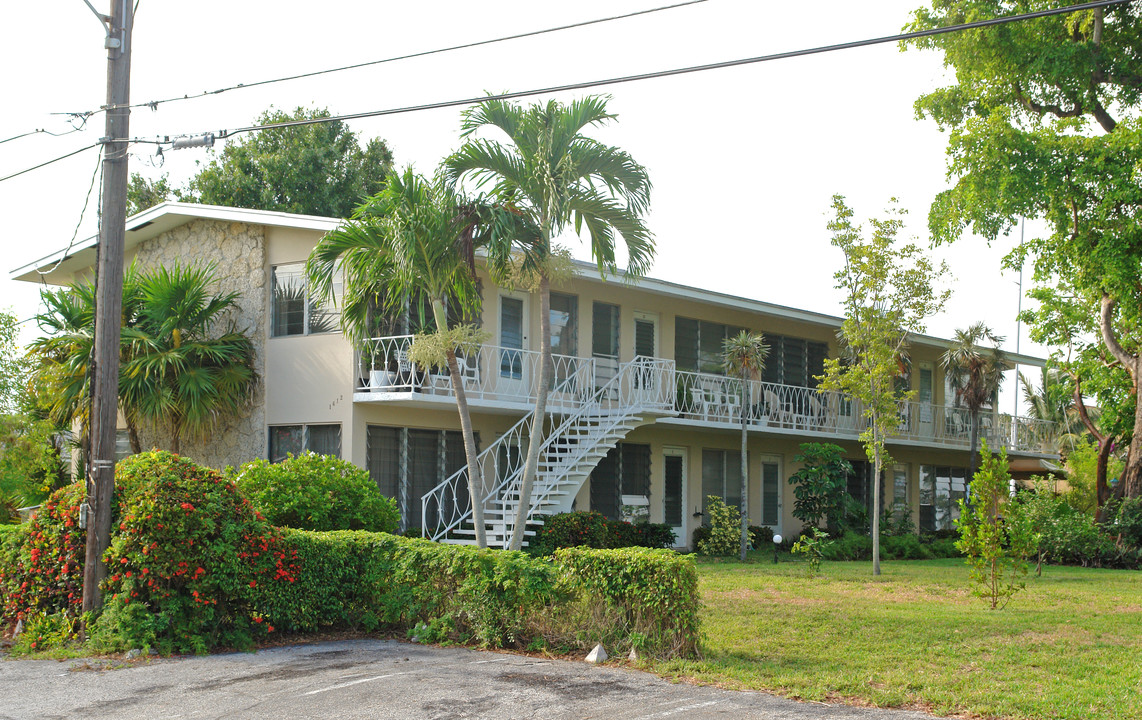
(108, 300)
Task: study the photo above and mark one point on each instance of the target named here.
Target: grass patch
(1070, 646)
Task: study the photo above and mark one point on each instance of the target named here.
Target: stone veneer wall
(238, 253)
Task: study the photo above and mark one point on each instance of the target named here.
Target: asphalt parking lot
(379, 679)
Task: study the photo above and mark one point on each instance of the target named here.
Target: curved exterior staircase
(639, 393)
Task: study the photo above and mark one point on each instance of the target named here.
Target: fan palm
(558, 179)
(64, 352)
(975, 373)
(743, 356)
(1054, 402)
(413, 239)
(175, 369)
(178, 370)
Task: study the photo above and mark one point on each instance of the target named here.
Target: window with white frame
(293, 311)
(286, 440)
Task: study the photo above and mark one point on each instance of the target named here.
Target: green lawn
(1070, 646)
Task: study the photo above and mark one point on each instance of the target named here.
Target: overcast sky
(744, 161)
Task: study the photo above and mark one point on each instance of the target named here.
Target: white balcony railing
(507, 375)
(491, 373)
(718, 399)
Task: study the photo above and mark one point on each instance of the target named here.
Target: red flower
(253, 583)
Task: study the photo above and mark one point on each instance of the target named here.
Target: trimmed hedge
(372, 581)
(434, 592)
(655, 592)
(589, 528)
(193, 567)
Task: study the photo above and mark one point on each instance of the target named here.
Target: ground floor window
(721, 477)
(624, 471)
(770, 492)
(941, 489)
(900, 488)
(407, 463)
(296, 439)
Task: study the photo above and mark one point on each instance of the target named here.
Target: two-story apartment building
(641, 415)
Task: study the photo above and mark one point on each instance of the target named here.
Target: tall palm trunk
(475, 477)
(974, 448)
(546, 371)
(745, 477)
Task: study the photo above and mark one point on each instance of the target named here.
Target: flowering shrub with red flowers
(41, 561)
(187, 555)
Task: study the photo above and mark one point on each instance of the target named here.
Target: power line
(663, 73)
(153, 104)
(82, 117)
(49, 162)
(82, 213)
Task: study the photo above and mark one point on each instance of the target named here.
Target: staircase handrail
(634, 404)
(448, 488)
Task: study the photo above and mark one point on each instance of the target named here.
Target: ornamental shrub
(725, 529)
(585, 528)
(317, 492)
(621, 534)
(187, 555)
(41, 561)
(1070, 537)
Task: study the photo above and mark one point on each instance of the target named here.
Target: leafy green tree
(743, 357)
(557, 179)
(318, 169)
(1043, 122)
(143, 193)
(995, 532)
(182, 364)
(975, 373)
(820, 486)
(889, 292)
(414, 239)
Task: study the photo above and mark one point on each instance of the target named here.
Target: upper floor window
(293, 311)
(794, 361)
(564, 324)
(698, 344)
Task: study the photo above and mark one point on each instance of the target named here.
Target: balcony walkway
(499, 379)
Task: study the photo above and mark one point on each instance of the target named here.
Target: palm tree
(64, 353)
(975, 373)
(743, 356)
(176, 370)
(1054, 402)
(413, 239)
(185, 363)
(558, 179)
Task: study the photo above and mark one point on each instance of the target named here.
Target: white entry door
(674, 461)
(513, 365)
